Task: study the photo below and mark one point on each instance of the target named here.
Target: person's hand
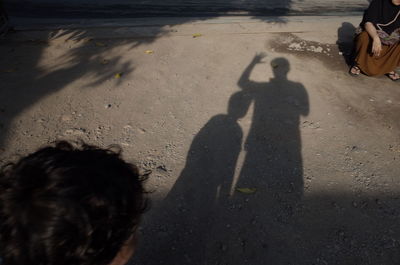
(259, 56)
(376, 47)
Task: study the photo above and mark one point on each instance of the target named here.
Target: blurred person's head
(69, 205)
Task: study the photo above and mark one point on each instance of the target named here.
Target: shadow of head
(238, 105)
(280, 67)
(346, 32)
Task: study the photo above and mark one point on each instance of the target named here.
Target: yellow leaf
(149, 52)
(247, 190)
(196, 35)
(100, 44)
(118, 75)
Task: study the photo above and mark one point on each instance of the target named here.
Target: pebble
(75, 131)
(66, 118)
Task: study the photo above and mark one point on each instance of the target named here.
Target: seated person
(377, 46)
(64, 205)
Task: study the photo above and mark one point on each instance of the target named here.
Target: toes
(355, 70)
(394, 76)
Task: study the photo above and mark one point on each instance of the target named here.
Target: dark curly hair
(68, 205)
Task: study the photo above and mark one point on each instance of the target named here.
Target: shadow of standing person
(273, 165)
(194, 206)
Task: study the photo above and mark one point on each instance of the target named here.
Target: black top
(382, 12)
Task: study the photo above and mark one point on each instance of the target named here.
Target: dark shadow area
(345, 42)
(273, 165)
(197, 203)
(206, 218)
(267, 219)
(181, 8)
(156, 8)
(349, 228)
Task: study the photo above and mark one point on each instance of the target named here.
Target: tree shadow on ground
(26, 79)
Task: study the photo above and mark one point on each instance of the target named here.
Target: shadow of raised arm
(244, 80)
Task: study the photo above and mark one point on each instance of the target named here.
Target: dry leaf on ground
(100, 44)
(247, 190)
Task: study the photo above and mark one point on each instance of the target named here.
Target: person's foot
(393, 76)
(355, 70)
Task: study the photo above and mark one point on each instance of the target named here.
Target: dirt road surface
(262, 149)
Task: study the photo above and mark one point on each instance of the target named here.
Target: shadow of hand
(259, 57)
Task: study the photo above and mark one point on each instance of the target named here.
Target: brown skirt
(370, 65)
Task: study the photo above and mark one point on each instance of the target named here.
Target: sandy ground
(282, 159)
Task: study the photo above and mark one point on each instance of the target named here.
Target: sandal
(355, 70)
(393, 76)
